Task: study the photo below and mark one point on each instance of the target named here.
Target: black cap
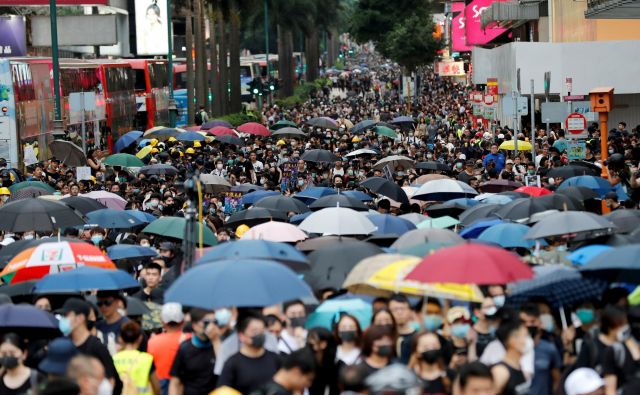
(611, 195)
(75, 305)
(167, 246)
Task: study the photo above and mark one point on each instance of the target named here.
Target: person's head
(611, 200)
(475, 378)
(130, 333)
(321, 341)
(274, 324)
(153, 14)
(384, 318)
(401, 309)
(378, 340)
(200, 321)
(347, 329)
(166, 250)
(530, 317)
(295, 313)
(622, 125)
(87, 372)
(297, 370)
(431, 313)
(74, 316)
(13, 351)
(613, 321)
(43, 303)
(108, 303)
(152, 272)
(513, 335)
(426, 348)
(171, 315)
(494, 148)
(251, 331)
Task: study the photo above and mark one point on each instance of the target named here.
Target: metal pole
(266, 44)
(83, 129)
(55, 63)
(172, 103)
(533, 122)
(515, 122)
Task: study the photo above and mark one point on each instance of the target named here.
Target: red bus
(152, 91)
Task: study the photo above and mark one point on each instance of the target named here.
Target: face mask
(611, 152)
(623, 334)
(144, 244)
(263, 181)
(432, 322)
(219, 166)
(64, 324)
(152, 203)
(28, 237)
(160, 207)
(223, 317)
(531, 172)
(459, 165)
(347, 336)
(490, 311)
(297, 322)
(547, 322)
(199, 342)
(460, 330)
(212, 210)
(499, 300)
(431, 356)
(533, 331)
(258, 340)
(91, 325)
(384, 351)
(9, 362)
(96, 239)
(136, 191)
(429, 156)
(300, 183)
(105, 388)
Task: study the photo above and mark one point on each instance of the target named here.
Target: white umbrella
(275, 231)
(394, 161)
(443, 190)
(338, 221)
(361, 151)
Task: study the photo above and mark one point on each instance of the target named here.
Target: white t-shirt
(349, 358)
(494, 353)
(289, 343)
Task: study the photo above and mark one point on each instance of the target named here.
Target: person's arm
(610, 384)
(500, 377)
(155, 383)
(555, 379)
(175, 386)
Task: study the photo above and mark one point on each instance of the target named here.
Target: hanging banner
(475, 34)
(13, 36)
(450, 69)
(151, 27)
(458, 30)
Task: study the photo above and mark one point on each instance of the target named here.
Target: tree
(411, 44)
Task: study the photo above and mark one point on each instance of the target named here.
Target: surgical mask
(611, 152)
(499, 300)
(219, 166)
(347, 336)
(431, 356)
(258, 340)
(212, 210)
(297, 322)
(623, 334)
(531, 172)
(429, 156)
(300, 183)
(96, 239)
(136, 191)
(144, 244)
(459, 165)
(263, 180)
(432, 322)
(152, 203)
(64, 324)
(28, 237)
(160, 207)
(9, 362)
(460, 330)
(547, 322)
(490, 311)
(105, 388)
(384, 351)
(223, 317)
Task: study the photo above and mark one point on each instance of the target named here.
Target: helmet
(280, 142)
(153, 142)
(190, 151)
(172, 139)
(196, 144)
(241, 230)
(5, 191)
(154, 150)
(355, 139)
(225, 391)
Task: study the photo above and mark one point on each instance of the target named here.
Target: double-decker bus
(152, 92)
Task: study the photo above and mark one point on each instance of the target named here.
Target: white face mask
(28, 237)
(105, 388)
(219, 166)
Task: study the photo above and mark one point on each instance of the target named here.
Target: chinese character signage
(475, 34)
(458, 30)
(13, 37)
(450, 69)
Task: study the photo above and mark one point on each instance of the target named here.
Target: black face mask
(91, 324)
(384, 351)
(431, 356)
(9, 362)
(533, 331)
(258, 340)
(297, 322)
(347, 336)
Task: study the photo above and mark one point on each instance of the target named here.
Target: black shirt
(194, 367)
(93, 347)
(465, 177)
(246, 374)
(405, 347)
(515, 383)
(619, 363)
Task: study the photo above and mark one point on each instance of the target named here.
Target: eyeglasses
(209, 322)
(106, 303)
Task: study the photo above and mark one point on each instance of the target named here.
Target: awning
(613, 9)
(509, 15)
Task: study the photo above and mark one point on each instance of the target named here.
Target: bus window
(141, 84)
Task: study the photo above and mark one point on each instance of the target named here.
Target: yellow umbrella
(356, 281)
(144, 151)
(510, 146)
(391, 278)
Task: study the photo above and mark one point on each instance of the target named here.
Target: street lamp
(173, 109)
(55, 66)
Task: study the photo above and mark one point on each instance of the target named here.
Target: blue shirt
(546, 357)
(497, 158)
(561, 145)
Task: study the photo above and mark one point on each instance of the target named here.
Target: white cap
(172, 312)
(462, 156)
(583, 381)
(486, 135)
(501, 136)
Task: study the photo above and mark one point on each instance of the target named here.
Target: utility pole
(172, 102)
(533, 122)
(57, 123)
(266, 45)
(515, 122)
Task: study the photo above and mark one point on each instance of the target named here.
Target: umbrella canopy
(331, 264)
(254, 216)
(231, 140)
(441, 190)
(495, 186)
(420, 236)
(244, 188)
(255, 129)
(356, 281)
(363, 197)
(439, 222)
(37, 214)
(382, 186)
(283, 123)
(240, 283)
(597, 184)
(174, 227)
(216, 122)
(510, 145)
(558, 285)
(160, 169)
(433, 165)
(534, 191)
(402, 119)
(584, 255)
(214, 184)
(275, 231)
(108, 199)
(25, 184)
(142, 216)
(319, 156)
(112, 219)
(298, 218)
(338, 200)
(11, 250)
(569, 171)
(126, 140)
(390, 224)
(446, 209)
(361, 151)
(385, 131)
(476, 228)
(68, 153)
(394, 161)
(338, 221)
(521, 209)
(289, 132)
(323, 122)
(123, 160)
(26, 318)
(415, 218)
(36, 262)
(29, 192)
(362, 126)
(253, 197)
(129, 251)
(580, 193)
(625, 220)
(257, 249)
(282, 203)
(471, 264)
(507, 235)
(325, 315)
(190, 136)
(423, 249)
(478, 212)
(313, 244)
(569, 222)
(492, 198)
(86, 279)
(311, 194)
(222, 131)
(620, 264)
(561, 202)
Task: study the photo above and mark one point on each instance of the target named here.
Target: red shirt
(164, 347)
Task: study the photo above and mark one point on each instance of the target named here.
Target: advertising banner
(13, 36)
(458, 30)
(151, 27)
(450, 69)
(475, 34)
(8, 136)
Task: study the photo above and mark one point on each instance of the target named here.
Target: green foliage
(302, 93)
(238, 118)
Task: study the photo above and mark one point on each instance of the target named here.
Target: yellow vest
(134, 367)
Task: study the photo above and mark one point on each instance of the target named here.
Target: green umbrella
(283, 123)
(422, 250)
(123, 160)
(36, 184)
(440, 222)
(385, 131)
(174, 227)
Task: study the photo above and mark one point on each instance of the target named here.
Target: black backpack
(198, 118)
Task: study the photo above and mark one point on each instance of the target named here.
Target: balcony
(509, 15)
(613, 9)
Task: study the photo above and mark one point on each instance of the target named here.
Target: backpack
(198, 118)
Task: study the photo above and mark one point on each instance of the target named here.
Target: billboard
(58, 2)
(152, 37)
(450, 69)
(458, 30)
(13, 36)
(475, 34)
(8, 136)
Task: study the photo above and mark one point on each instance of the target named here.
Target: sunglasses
(106, 303)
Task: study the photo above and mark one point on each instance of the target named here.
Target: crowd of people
(411, 345)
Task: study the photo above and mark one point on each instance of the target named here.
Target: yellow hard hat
(172, 139)
(5, 191)
(154, 150)
(225, 391)
(196, 144)
(190, 151)
(153, 142)
(280, 142)
(355, 139)
(241, 230)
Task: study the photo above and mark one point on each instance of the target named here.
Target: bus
(152, 92)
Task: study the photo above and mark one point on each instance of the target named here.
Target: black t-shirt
(405, 347)
(194, 367)
(620, 363)
(246, 374)
(32, 380)
(272, 388)
(483, 341)
(465, 177)
(93, 347)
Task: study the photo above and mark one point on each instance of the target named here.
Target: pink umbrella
(275, 231)
(111, 200)
(255, 129)
(222, 131)
(195, 128)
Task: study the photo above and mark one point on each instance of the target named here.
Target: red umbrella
(534, 191)
(254, 128)
(222, 131)
(471, 264)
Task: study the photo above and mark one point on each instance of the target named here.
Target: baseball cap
(509, 161)
(171, 312)
(167, 246)
(582, 381)
(611, 195)
(456, 313)
(75, 305)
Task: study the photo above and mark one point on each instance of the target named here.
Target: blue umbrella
(559, 285)
(583, 255)
(190, 136)
(597, 184)
(619, 264)
(143, 216)
(363, 197)
(86, 278)
(312, 194)
(472, 231)
(126, 251)
(252, 197)
(328, 313)
(126, 140)
(257, 249)
(240, 283)
(298, 218)
(507, 235)
(112, 219)
(26, 318)
(362, 126)
(402, 119)
(496, 199)
(390, 224)
(144, 143)
(467, 202)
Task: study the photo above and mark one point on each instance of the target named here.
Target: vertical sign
(152, 37)
(8, 135)
(475, 34)
(458, 29)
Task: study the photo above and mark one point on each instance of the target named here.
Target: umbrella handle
(201, 227)
(563, 318)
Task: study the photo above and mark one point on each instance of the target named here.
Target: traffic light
(255, 86)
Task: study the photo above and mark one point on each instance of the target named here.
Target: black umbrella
(282, 203)
(495, 186)
(433, 165)
(28, 192)
(626, 220)
(581, 193)
(232, 140)
(246, 188)
(338, 200)
(480, 211)
(28, 321)
(443, 209)
(288, 132)
(255, 216)
(82, 204)
(13, 249)
(560, 202)
(315, 243)
(572, 171)
(520, 209)
(323, 122)
(159, 169)
(331, 264)
(319, 155)
(387, 188)
(363, 126)
(37, 214)
(68, 153)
